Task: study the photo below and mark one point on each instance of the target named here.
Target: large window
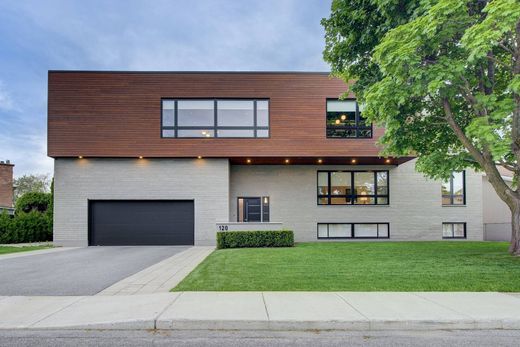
(454, 189)
(215, 118)
(453, 230)
(353, 231)
(353, 188)
(344, 120)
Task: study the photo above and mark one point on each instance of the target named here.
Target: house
(6, 187)
(153, 158)
(496, 214)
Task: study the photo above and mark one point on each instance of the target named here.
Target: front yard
(13, 249)
(360, 266)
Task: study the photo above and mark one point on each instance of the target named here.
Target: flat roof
(195, 72)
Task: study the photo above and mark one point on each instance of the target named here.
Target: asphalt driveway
(81, 271)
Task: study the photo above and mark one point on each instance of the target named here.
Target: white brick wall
(78, 180)
(415, 211)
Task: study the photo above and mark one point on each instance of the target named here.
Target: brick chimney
(6, 184)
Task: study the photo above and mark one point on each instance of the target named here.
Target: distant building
(6, 187)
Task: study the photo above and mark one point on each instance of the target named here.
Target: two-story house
(168, 158)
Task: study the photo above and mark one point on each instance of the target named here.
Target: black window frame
(452, 194)
(352, 231)
(352, 196)
(215, 127)
(265, 209)
(452, 231)
(357, 128)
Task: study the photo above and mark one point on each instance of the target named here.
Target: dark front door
(141, 222)
(252, 210)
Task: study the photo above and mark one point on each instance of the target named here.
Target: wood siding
(118, 114)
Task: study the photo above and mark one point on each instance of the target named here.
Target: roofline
(196, 72)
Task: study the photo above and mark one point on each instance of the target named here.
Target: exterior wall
(415, 211)
(6, 185)
(206, 181)
(496, 214)
(118, 114)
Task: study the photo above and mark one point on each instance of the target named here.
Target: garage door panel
(116, 222)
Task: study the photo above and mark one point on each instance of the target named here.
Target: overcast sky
(36, 36)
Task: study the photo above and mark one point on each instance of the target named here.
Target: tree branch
(484, 159)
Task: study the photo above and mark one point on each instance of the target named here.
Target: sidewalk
(266, 311)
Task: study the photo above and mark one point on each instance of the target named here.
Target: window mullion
(254, 118)
(215, 118)
(375, 187)
(329, 197)
(175, 121)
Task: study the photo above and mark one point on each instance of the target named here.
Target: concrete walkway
(36, 252)
(266, 311)
(161, 277)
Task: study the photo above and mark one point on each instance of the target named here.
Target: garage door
(143, 222)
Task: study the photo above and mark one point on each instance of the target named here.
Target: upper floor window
(454, 189)
(344, 120)
(215, 118)
(353, 188)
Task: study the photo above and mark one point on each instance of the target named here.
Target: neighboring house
(171, 157)
(496, 214)
(6, 187)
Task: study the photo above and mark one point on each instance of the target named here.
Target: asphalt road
(44, 338)
(81, 271)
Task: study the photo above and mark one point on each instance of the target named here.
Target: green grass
(11, 249)
(360, 266)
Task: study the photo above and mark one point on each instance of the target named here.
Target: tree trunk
(514, 247)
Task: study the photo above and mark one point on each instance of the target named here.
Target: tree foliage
(31, 183)
(34, 201)
(443, 78)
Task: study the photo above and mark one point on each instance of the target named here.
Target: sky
(174, 35)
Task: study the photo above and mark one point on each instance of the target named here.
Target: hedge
(258, 238)
(34, 201)
(26, 227)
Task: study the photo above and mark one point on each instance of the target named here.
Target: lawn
(360, 266)
(12, 249)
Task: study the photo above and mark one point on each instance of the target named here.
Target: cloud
(6, 102)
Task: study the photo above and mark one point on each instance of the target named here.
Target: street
(44, 338)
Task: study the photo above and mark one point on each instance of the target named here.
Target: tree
(31, 183)
(444, 82)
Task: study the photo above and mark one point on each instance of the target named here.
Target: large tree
(31, 184)
(443, 78)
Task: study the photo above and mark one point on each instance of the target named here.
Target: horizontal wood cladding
(118, 114)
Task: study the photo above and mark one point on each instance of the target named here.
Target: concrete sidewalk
(266, 311)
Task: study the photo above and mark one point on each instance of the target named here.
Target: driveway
(81, 271)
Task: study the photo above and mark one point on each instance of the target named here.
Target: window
(353, 230)
(454, 190)
(453, 230)
(253, 209)
(353, 188)
(344, 120)
(208, 118)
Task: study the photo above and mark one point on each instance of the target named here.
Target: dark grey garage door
(142, 222)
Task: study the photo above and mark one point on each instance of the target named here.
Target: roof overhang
(319, 160)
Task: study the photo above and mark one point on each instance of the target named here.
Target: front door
(252, 210)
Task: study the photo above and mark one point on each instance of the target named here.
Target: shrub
(33, 201)
(259, 238)
(5, 222)
(27, 227)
